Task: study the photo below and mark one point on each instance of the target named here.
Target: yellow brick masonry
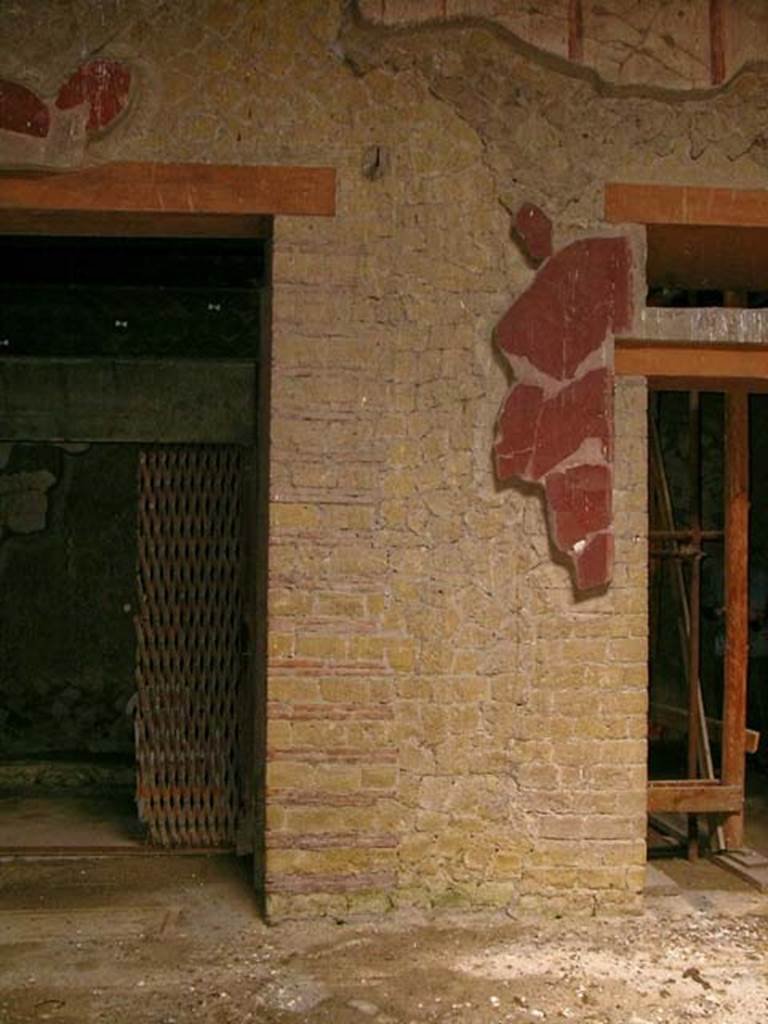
(447, 725)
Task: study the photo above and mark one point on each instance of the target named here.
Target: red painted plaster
(580, 500)
(104, 84)
(578, 412)
(519, 422)
(594, 561)
(23, 112)
(575, 299)
(555, 427)
(534, 229)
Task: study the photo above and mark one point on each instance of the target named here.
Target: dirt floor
(166, 940)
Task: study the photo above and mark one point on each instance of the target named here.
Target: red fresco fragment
(558, 327)
(517, 423)
(104, 84)
(23, 112)
(594, 561)
(580, 500)
(534, 229)
(577, 412)
(575, 299)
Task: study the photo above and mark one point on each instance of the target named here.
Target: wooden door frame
(188, 200)
(725, 795)
(737, 370)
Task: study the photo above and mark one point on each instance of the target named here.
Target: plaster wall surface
(447, 723)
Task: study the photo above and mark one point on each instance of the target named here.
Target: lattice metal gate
(189, 630)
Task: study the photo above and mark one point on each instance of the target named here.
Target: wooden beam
(751, 866)
(677, 718)
(727, 363)
(183, 401)
(134, 225)
(170, 190)
(684, 204)
(694, 796)
(696, 257)
(736, 602)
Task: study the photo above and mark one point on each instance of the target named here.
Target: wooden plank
(694, 796)
(677, 718)
(174, 189)
(690, 361)
(696, 257)
(736, 601)
(696, 720)
(122, 224)
(748, 865)
(171, 401)
(685, 204)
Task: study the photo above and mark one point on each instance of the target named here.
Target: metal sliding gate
(189, 636)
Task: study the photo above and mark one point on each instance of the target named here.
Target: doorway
(690, 591)
(67, 600)
(129, 691)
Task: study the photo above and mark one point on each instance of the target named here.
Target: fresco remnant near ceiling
(37, 132)
(555, 427)
(657, 44)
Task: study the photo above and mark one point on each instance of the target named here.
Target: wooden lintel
(684, 204)
(677, 718)
(694, 796)
(723, 364)
(169, 190)
(120, 224)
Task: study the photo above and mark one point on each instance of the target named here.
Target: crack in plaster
(353, 23)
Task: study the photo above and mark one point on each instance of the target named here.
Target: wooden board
(168, 192)
(748, 865)
(685, 204)
(694, 796)
(677, 718)
(690, 363)
(697, 257)
(124, 224)
(171, 401)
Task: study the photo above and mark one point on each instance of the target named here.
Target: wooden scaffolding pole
(736, 602)
(695, 703)
(698, 732)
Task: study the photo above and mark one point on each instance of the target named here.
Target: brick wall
(447, 723)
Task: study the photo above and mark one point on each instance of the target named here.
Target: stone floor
(169, 940)
(165, 939)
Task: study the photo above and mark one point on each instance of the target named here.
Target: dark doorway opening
(113, 352)
(689, 586)
(67, 601)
